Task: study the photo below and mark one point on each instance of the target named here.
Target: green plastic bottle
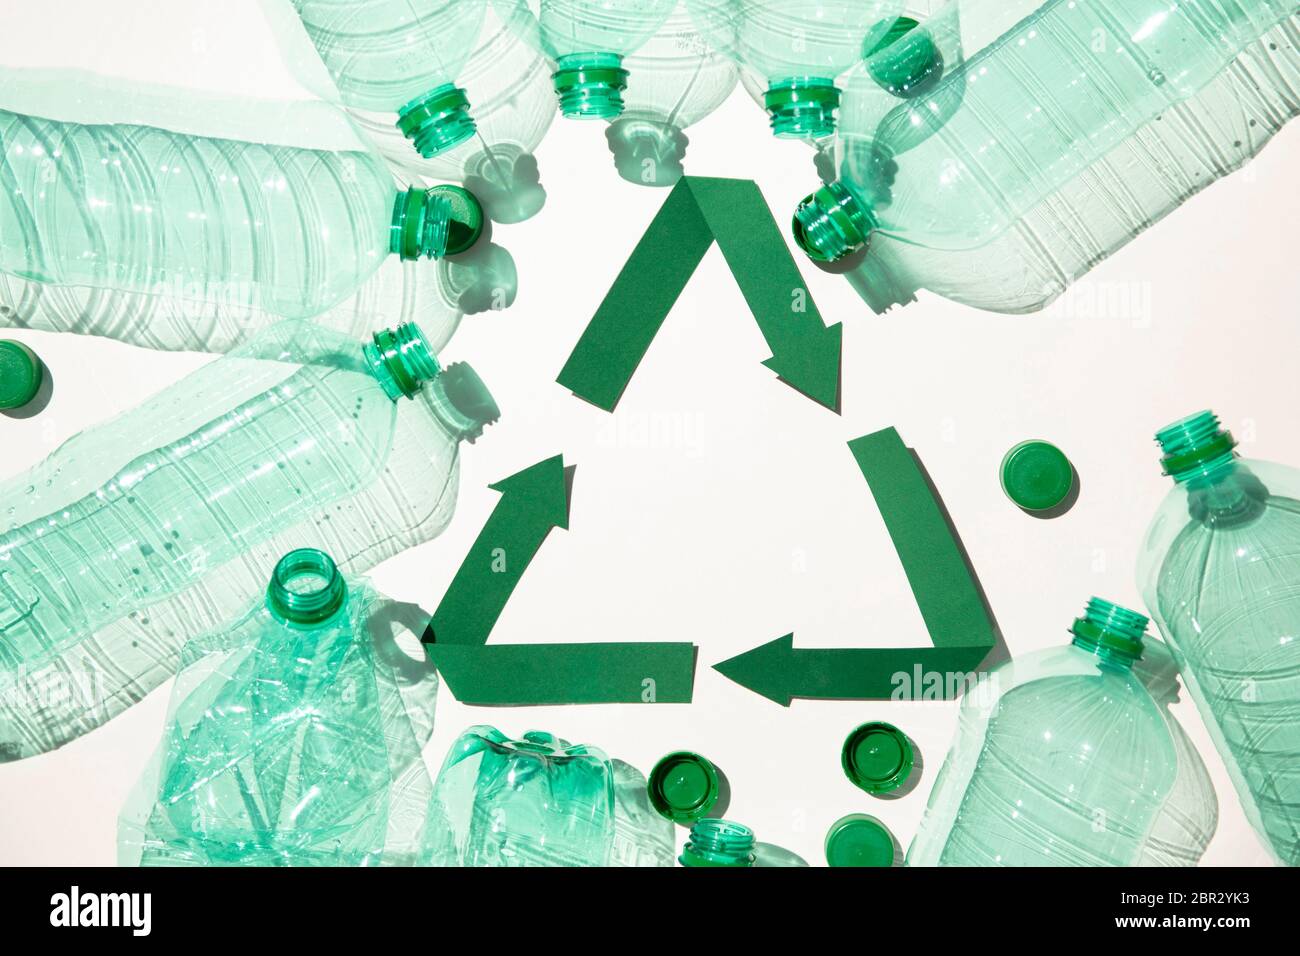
(1220, 571)
(587, 40)
(533, 801)
(799, 49)
(288, 741)
(403, 57)
(679, 81)
(179, 319)
(160, 524)
(1051, 96)
(1070, 764)
(140, 209)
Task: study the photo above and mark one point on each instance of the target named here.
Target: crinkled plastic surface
(289, 746)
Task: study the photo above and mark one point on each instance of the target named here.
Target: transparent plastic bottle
(401, 56)
(160, 524)
(1110, 66)
(1148, 175)
(289, 739)
(1070, 765)
(399, 292)
(641, 836)
(510, 85)
(534, 801)
(799, 49)
(679, 81)
(140, 209)
(1220, 571)
(587, 40)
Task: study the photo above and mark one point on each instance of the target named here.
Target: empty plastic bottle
(158, 525)
(399, 292)
(535, 801)
(1069, 766)
(140, 209)
(1136, 183)
(401, 56)
(679, 81)
(799, 49)
(1220, 571)
(510, 85)
(1054, 94)
(288, 741)
(587, 40)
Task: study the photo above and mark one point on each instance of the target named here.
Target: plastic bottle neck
(590, 85)
(433, 223)
(832, 223)
(1197, 451)
(437, 121)
(401, 360)
(1112, 633)
(306, 589)
(802, 107)
(719, 843)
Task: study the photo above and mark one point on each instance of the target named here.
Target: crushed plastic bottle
(587, 40)
(139, 209)
(1164, 123)
(679, 81)
(1070, 765)
(1220, 571)
(289, 739)
(399, 292)
(800, 50)
(534, 801)
(158, 525)
(402, 57)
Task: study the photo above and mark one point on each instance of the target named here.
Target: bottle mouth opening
(831, 223)
(434, 223)
(590, 85)
(437, 121)
(1195, 446)
(1111, 632)
(402, 360)
(802, 107)
(306, 588)
(719, 843)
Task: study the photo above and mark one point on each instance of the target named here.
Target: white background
(721, 507)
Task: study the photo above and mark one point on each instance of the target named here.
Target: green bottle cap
(1036, 475)
(683, 786)
(859, 840)
(877, 757)
(21, 374)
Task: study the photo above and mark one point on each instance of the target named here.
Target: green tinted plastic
(718, 843)
(683, 786)
(1039, 106)
(395, 56)
(21, 373)
(287, 743)
(533, 801)
(1062, 759)
(144, 529)
(1218, 572)
(877, 757)
(859, 840)
(1036, 475)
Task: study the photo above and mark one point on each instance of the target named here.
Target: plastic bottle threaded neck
(719, 843)
(401, 360)
(1195, 447)
(437, 121)
(1111, 632)
(590, 85)
(306, 588)
(802, 107)
(832, 223)
(433, 223)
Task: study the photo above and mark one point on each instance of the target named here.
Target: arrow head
(539, 490)
(810, 364)
(765, 670)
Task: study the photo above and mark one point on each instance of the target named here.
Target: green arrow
(779, 671)
(805, 353)
(942, 583)
(535, 674)
(532, 502)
